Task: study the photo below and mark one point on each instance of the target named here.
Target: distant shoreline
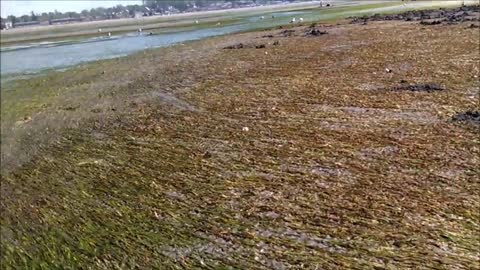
(106, 23)
(18, 36)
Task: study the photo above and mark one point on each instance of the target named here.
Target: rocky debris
(244, 46)
(69, 108)
(207, 155)
(449, 16)
(235, 46)
(276, 43)
(422, 87)
(315, 32)
(267, 36)
(430, 22)
(25, 120)
(468, 116)
(474, 26)
(287, 33)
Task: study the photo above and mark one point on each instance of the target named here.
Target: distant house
(5, 25)
(144, 12)
(172, 10)
(66, 20)
(25, 24)
(226, 5)
(243, 3)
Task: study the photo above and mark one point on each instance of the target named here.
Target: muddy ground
(300, 155)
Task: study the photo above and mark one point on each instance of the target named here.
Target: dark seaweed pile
(449, 16)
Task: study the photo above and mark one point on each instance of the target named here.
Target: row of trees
(149, 7)
(118, 11)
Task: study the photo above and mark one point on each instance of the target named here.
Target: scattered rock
(287, 33)
(423, 87)
(207, 155)
(91, 162)
(235, 46)
(388, 70)
(267, 36)
(474, 26)
(270, 214)
(175, 195)
(468, 116)
(276, 43)
(25, 120)
(316, 32)
(69, 108)
(243, 46)
(430, 22)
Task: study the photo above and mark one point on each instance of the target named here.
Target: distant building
(24, 24)
(66, 20)
(5, 25)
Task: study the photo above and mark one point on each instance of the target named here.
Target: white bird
(293, 20)
(262, 17)
(140, 30)
(99, 30)
(196, 22)
(109, 34)
(301, 19)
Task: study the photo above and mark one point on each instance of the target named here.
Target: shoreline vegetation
(351, 144)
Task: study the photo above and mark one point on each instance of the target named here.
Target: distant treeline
(149, 7)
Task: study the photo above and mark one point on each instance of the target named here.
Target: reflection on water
(60, 55)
